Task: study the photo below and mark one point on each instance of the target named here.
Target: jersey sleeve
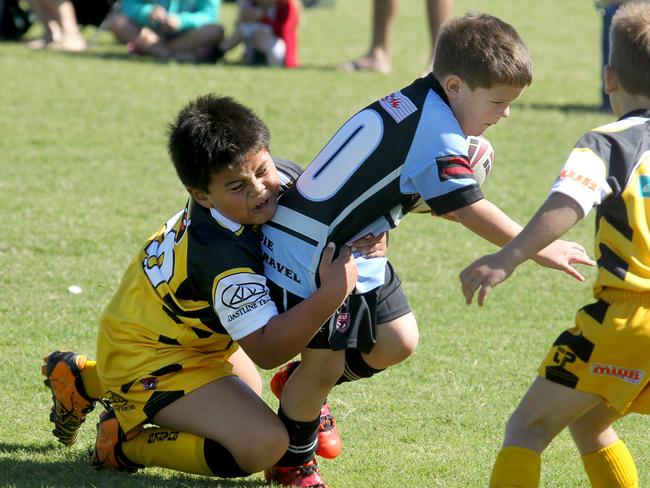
(442, 174)
(226, 268)
(242, 301)
(584, 174)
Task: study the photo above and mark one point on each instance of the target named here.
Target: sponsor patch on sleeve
(398, 106)
(242, 303)
(453, 168)
(583, 178)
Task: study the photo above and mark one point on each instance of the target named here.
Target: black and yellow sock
(92, 386)
(181, 451)
(516, 467)
(611, 467)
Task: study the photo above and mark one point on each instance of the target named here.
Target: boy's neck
(627, 103)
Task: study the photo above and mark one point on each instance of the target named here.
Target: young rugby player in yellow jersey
(598, 371)
(183, 395)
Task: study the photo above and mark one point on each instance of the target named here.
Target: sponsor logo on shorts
(162, 436)
(633, 376)
(118, 402)
(115, 400)
(398, 106)
(149, 383)
(563, 356)
(342, 322)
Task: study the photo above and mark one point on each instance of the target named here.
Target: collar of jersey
(641, 112)
(224, 221)
(437, 87)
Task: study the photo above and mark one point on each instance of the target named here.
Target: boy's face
(246, 193)
(478, 109)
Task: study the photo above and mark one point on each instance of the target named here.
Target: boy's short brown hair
(484, 51)
(630, 51)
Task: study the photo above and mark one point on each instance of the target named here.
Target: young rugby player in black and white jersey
(408, 145)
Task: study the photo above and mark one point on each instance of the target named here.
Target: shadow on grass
(76, 471)
(117, 52)
(568, 108)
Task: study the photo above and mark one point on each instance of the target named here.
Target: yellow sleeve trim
(230, 272)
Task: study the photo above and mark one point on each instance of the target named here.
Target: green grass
(86, 178)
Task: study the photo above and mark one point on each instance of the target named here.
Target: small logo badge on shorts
(342, 322)
(149, 383)
(633, 376)
(116, 400)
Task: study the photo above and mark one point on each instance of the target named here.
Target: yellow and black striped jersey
(610, 168)
(197, 282)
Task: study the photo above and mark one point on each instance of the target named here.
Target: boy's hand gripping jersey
(402, 147)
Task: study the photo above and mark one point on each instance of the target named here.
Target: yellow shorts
(607, 353)
(146, 360)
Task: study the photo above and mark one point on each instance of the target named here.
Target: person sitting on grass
(183, 30)
(597, 371)
(269, 31)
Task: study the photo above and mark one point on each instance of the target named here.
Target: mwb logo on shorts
(644, 183)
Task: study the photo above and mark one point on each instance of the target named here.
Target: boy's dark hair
(630, 52)
(484, 51)
(211, 133)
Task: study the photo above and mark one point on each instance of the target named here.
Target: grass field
(85, 179)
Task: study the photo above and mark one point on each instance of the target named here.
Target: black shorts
(353, 326)
(91, 12)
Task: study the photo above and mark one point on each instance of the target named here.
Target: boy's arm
(556, 216)
(488, 221)
(286, 334)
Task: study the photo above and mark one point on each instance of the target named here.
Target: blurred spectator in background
(61, 20)
(377, 58)
(185, 30)
(14, 19)
(269, 31)
(607, 9)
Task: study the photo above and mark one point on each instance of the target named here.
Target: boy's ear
(452, 84)
(200, 196)
(610, 79)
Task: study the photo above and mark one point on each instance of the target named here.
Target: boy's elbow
(262, 357)
(268, 363)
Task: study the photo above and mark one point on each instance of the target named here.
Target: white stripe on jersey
(385, 181)
(300, 223)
